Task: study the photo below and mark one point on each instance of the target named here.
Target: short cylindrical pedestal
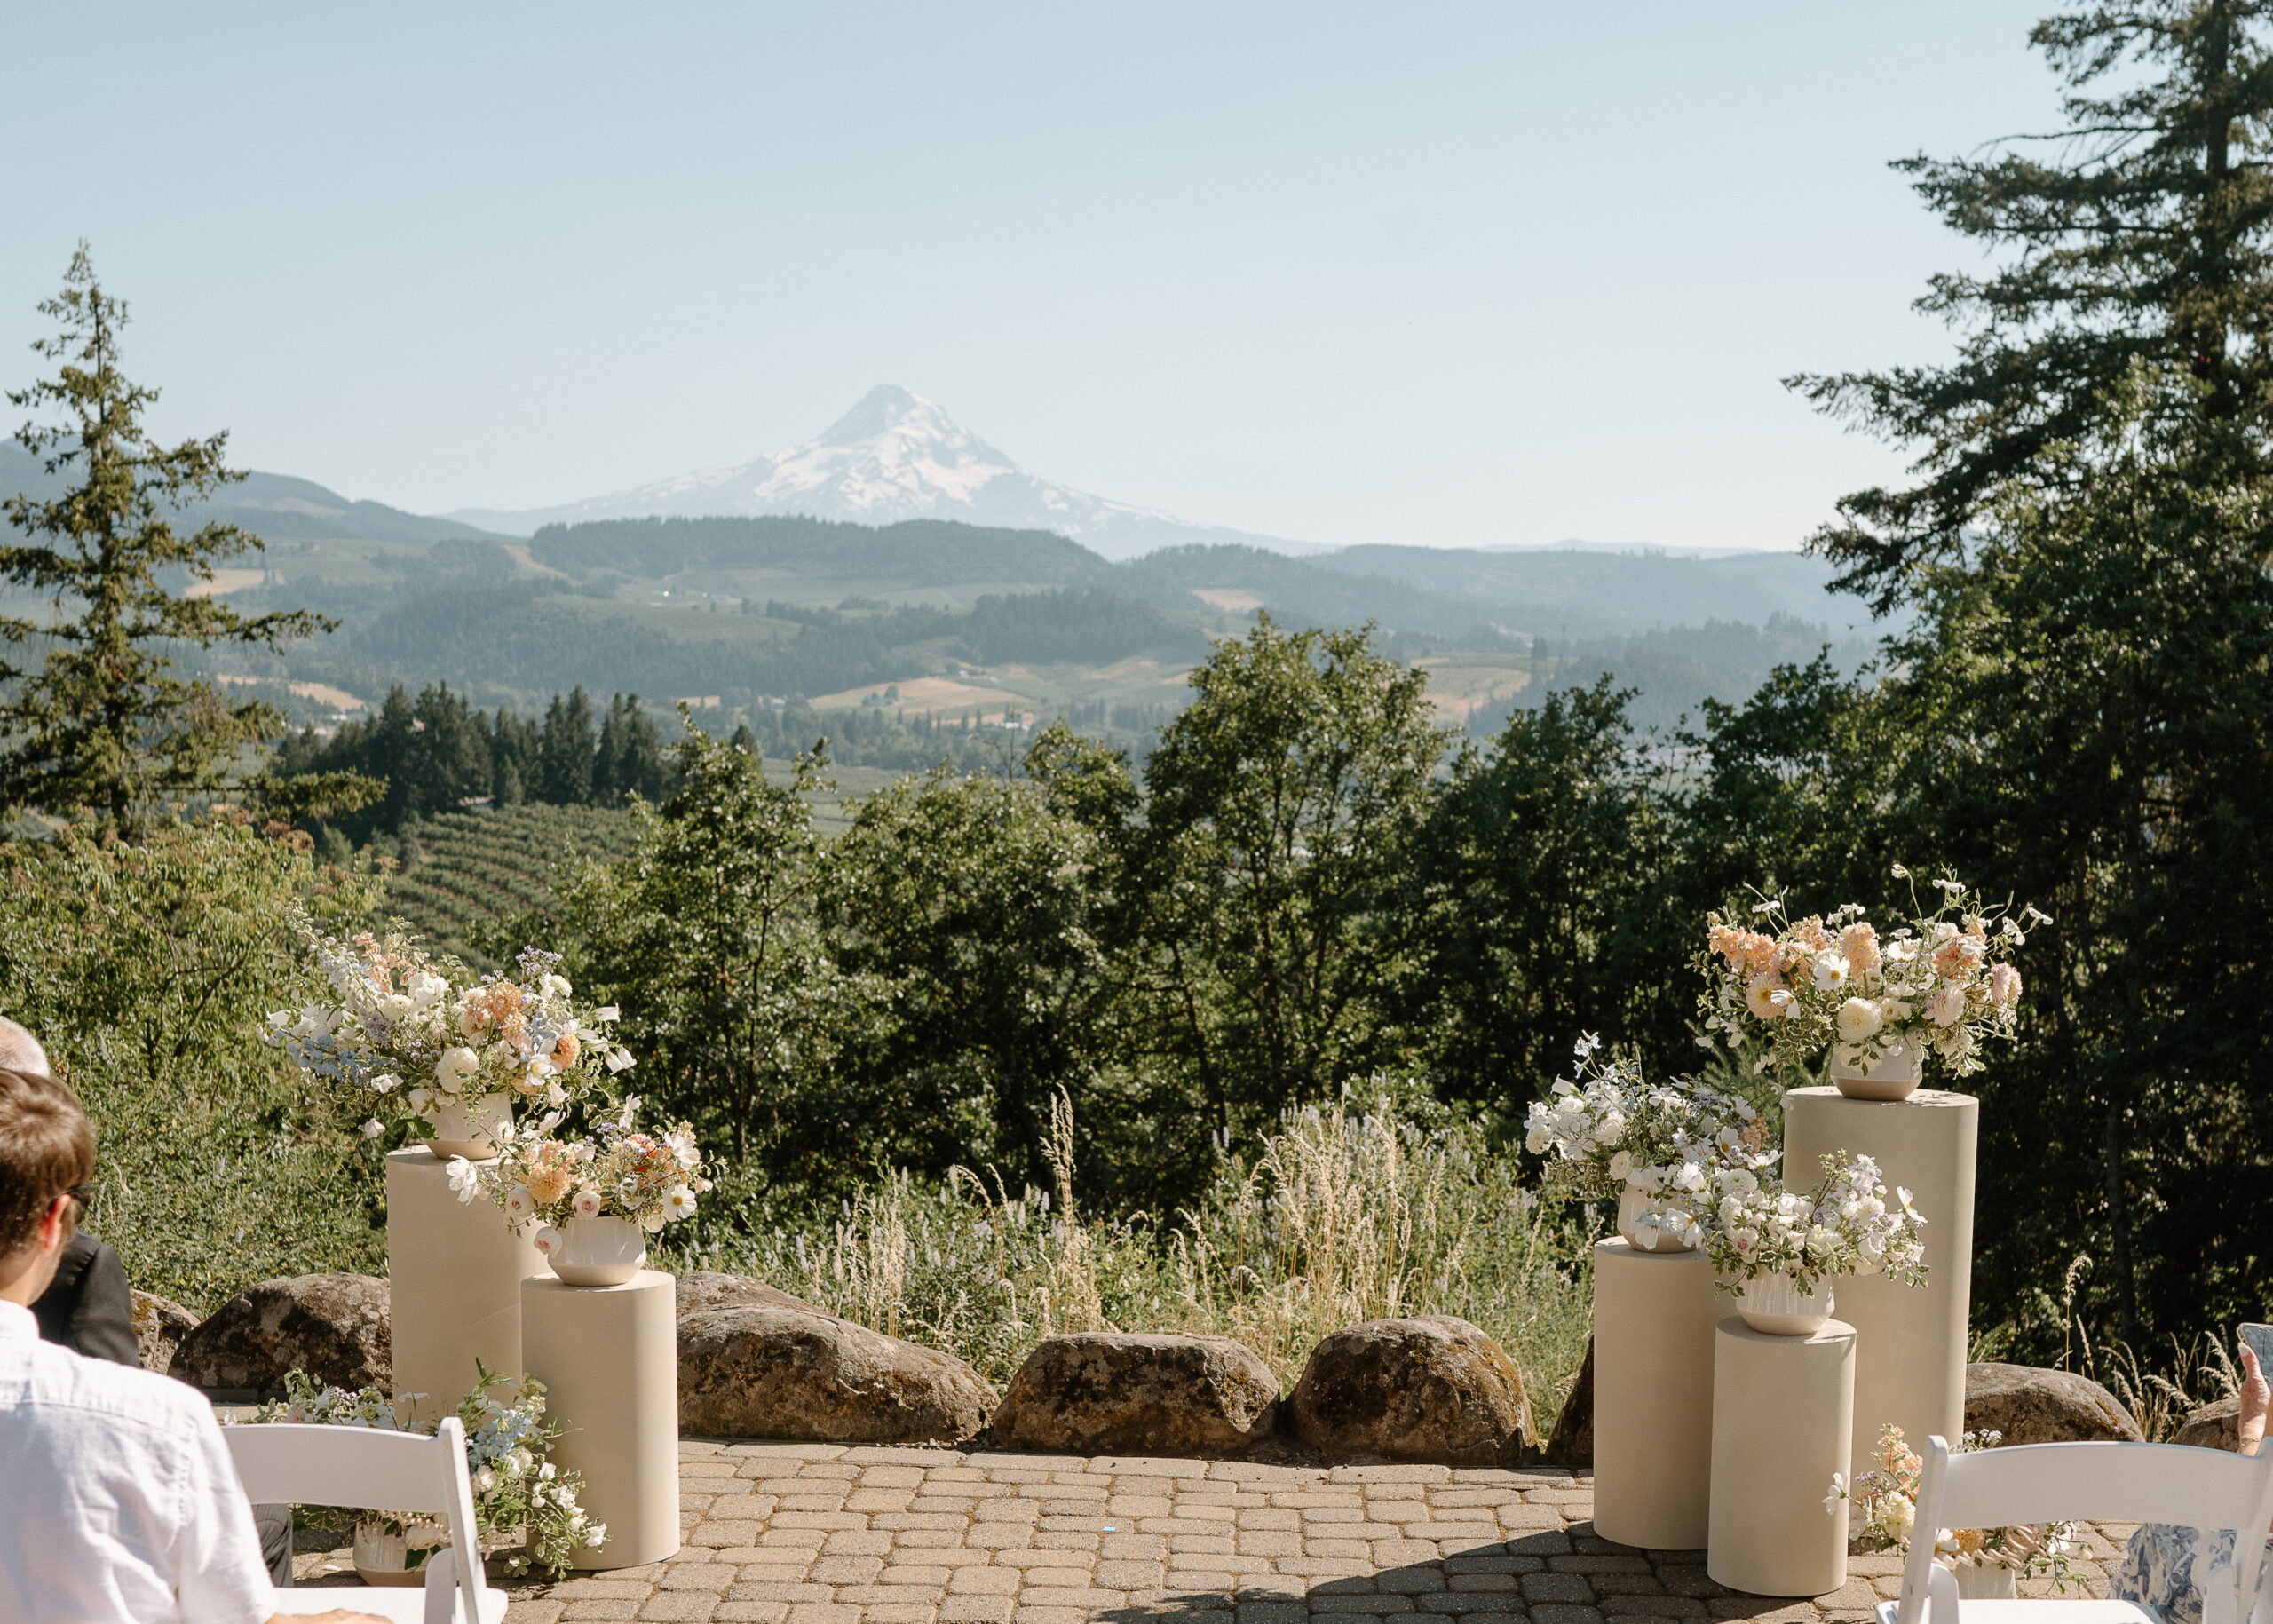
(1910, 1355)
(1783, 1408)
(1654, 1315)
(454, 1279)
(609, 1358)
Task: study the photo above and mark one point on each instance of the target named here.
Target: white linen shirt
(119, 1503)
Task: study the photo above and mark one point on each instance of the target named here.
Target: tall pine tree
(103, 724)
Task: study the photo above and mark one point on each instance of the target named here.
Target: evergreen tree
(630, 757)
(103, 724)
(2139, 234)
(565, 754)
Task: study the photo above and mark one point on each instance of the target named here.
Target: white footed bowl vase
(1985, 1581)
(383, 1558)
(1633, 1206)
(1893, 1076)
(595, 1251)
(1771, 1303)
(462, 1126)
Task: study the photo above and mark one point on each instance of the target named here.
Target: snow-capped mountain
(895, 456)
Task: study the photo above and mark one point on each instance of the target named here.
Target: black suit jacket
(89, 1307)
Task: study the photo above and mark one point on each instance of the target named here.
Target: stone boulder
(703, 1290)
(2033, 1405)
(332, 1326)
(1572, 1442)
(158, 1327)
(1435, 1389)
(758, 1371)
(1103, 1392)
(2213, 1426)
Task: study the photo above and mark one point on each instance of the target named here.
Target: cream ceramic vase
(383, 1558)
(1893, 1076)
(1771, 1303)
(1633, 1206)
(594, 1251)
(1985, 1581)
(460, 1127)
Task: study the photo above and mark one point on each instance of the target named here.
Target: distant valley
(926, 621)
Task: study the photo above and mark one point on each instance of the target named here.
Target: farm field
(466, 868)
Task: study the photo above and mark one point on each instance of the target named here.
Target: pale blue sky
(1436, 273)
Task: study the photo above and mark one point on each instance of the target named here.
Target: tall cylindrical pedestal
(1783, 1408)
(1654, 1315)
(609, 1357)
(1910, 1359)
(454, 1277)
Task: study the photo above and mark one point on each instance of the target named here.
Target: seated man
(118, 1502)
(89, 1307)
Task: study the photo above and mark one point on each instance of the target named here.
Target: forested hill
(921, 552)
(275, 506)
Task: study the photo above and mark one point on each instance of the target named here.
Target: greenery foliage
(146, 969)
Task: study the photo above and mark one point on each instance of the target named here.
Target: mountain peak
(888, 406)
(894, 457)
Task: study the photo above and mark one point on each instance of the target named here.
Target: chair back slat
(286, 1463)
(2098, 1482)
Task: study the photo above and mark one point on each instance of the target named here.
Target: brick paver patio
(817, 1533)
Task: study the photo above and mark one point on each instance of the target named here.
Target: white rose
(554, 986)
(1609, 1130)
(1536, 1142)
(1858, 1019)
(1621, 1166)
(455, 1068)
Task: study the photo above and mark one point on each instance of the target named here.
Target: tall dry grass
(1349, 1212)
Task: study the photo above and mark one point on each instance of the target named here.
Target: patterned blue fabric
(2164, 1567)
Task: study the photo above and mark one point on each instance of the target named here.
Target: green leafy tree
(102, 723)
(969, 899)
(707, 936)
(1539, 893)
(1261, 890)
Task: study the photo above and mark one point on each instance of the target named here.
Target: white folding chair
(2084, 1483)
(362, 1468)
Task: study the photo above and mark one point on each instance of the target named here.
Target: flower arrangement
(1885, 1504)
(416, 1030)
(1615, 1134)
(516, 1488)
(1845, 1226)
(1802, 985)
(621, 1172)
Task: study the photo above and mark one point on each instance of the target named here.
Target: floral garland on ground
(1886, 1511)
(652, 1179)
(1802, 985)
(1610, 1132)
(1845, 1226)
(418, 1034)
(516, 1486)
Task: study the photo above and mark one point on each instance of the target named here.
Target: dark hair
(47, 1149)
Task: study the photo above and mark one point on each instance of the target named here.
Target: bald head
(21, 1051)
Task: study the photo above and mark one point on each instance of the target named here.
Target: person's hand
(2256, 1399)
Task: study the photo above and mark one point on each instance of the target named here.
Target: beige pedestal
(609, 1357)
(1654, 1315)
(1783, 1408)
(453, 1278)
(1910, 1355)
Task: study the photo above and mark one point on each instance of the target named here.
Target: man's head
(21, 1051)
(47, 1149)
